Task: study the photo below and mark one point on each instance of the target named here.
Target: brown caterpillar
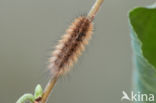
(71, 45)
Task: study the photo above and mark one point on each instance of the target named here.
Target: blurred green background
(29, 29)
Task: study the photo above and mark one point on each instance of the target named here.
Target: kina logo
(140, 97)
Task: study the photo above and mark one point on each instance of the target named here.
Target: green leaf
(29, 97)
(143, 35)
(26, 98)
(38, 91)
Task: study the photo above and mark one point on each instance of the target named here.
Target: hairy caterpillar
(71, 45)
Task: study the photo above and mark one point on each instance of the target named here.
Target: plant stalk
(49, 88)
(95, 9)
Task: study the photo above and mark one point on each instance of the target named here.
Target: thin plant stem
(95, 8)
(49, 88)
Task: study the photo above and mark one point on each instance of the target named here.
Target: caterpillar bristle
(71, 45)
